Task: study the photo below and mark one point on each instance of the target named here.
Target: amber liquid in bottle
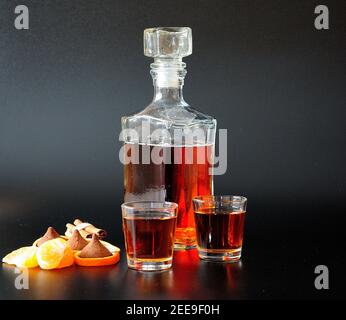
(184, 174)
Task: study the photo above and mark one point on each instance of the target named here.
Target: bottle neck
(168, 94)
(168, 79)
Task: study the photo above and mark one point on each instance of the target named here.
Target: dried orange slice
(55, 254)
(23, 257)
(97, 262)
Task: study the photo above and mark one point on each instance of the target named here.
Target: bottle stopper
(168, 42)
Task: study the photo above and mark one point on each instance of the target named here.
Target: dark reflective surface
(280, 254)
(189, 278)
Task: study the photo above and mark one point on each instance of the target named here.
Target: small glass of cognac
(219, 227)
(149, 229)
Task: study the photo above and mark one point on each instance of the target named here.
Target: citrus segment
(54, 254)
(23, 257)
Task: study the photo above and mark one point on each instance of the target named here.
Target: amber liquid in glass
(182, 175)
(149, 238)
(220, 231)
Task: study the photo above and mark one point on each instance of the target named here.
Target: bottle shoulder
(175, 115)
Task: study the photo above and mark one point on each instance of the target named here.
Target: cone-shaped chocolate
(94, 249)
(77, 242)
(49, 235)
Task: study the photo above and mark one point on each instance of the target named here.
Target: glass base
(182, 246)
(149, 265)
(231, 255)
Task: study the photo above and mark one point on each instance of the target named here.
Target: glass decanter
(169, 146)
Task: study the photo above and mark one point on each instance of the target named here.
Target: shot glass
(149, 228)
(219, 227)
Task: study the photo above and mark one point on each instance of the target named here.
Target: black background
(259, 67)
